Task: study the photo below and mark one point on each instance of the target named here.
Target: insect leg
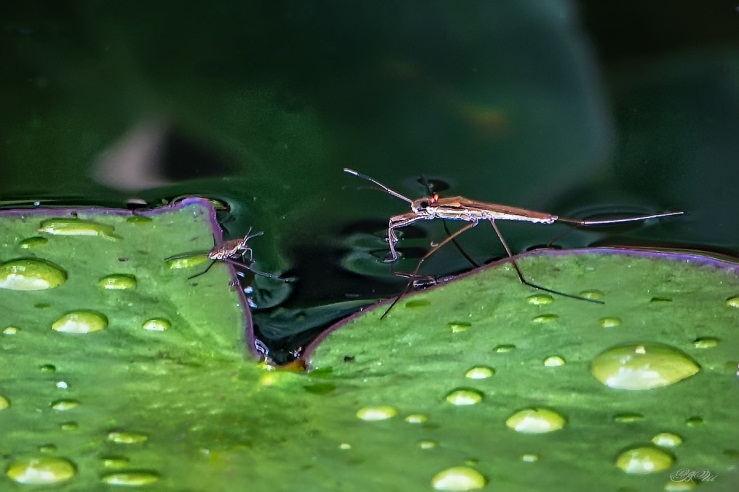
(531, 284)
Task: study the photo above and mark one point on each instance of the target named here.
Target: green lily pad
(480, 383)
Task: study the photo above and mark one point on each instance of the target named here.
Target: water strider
(472, 212)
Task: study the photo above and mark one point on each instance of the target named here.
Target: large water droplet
(592, 294)
(479, 372)
(644, 459)
(705, 342)
(667, 440)
(733, 301)
(131, 478)
(540, 299)
(459, 326)
(41, 470)
(377, 413)
(11, 330)
(64, 405)
(127, 437)
(458, 478)
(77, 227)
(83, 321)
(118, 281)
(33, 242)
(609, 322)
(156, 324)
(642, 366)
(536, 421)
(545, 318)
(464, 396)
(4, 402)
(31, 274)
(187, 261)
(554, 361)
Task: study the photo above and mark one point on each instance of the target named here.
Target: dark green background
(575, 108)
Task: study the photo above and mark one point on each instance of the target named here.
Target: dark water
(579, 109)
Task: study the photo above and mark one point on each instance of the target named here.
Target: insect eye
(424, 203)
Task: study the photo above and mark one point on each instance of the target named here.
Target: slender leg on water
(203, 272)
(531, 284)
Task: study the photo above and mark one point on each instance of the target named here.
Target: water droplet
(660, 300)
(479, 372)
(4, 402)
(345, 446)
(118, 281)
(130, 478)
(41, 471)
(545, 318)
(644, 459)
(506, 347)
(62, 385)
(592, 294)
(642, 366)
(47, 448)
(667, 440)
(64, 405)
(540, 299)
(609, 322)
(458, 478)
(83, 321)
(530, 458)
(115, 462)
(77, 227)
(187, 261)
(733, 301)
(47, 368)
(371, 414)
(29, 274)
(464, 396)
(69, 426)
(156, 324)
(426, 444)
(554, 361)
(626, 418)
(459, 326)
(705, 342)
(33, 242)
(536, 421)
(127, 437)
(694, 421)
(417, 418)
(11, 330)
(417, 303)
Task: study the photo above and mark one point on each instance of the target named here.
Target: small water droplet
(554, 361)
(69, 426)
(47, 448)
(540, 299)
(11, 330)
(417, 303)
(31, 274)
(426, 444)
(705, 342)
(187, 261)
(83, 321)
(530, 458)
(33, 242)
(127, 437)
(536, 421)
(458, 478)
(62, 385)
(506, 347)
(417, 418)
(694, 421)
(660, 300)
(642, 366)
(545, 318)
(459, 326)
(627, 417)
(609, 322)
(115, 462)
(667, 440)
(64, 405)
(464, 396)
(4, 402)
(77, 227)
(592, 294)
(479, 372)
(47, 368)
(345, 446)
(156, 324)
(131, 478)
(733, 302)
(641, 460)
(371, 414)
(41, 471)
(118, 281)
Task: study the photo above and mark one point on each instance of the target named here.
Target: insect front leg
(397, 221)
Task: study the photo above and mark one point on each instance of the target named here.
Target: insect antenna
(382, 186)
